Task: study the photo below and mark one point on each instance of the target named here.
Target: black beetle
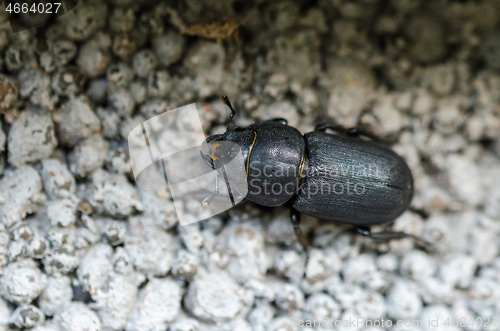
(341, 178)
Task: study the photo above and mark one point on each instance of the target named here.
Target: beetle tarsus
(388, 235)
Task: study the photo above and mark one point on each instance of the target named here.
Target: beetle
(340, 178)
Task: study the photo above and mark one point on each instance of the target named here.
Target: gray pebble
(88, 156)
(122, 19)
(371, 306)
(76, 121)
(68, 81)
(31, 138)
(290, 297)
(36, 247)
(138, 91)
(95, 268)
(118, 161)
(24, 188)
(158, 305)
(159, 208)
(93, 60)
(150, 253)
(27, 316)
(114, 232)
(110, 121)
(77, 317)
(261, 315)
(185, 265)
(114, 195)
(58, 182)
(56, 296)
(187, 324)
(168, 47)
(159, 84)
(22, 282)
(217, 297)
(290, 264)
(458, 271)
(34, 85)
(119, 74)
(16, 57)
(61, 260)
(205, 60)
(115, 301)
(62, 212)
(403, 301)
(144, 62)
(84, 20)
(9, 94)
(5, 313)
(417, 265)
(121, 100)
(63, 51)
(320, 307)
(356, 270)
(97, 90)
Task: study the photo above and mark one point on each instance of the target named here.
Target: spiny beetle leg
(388, 235)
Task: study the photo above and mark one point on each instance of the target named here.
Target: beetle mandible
(335, 177)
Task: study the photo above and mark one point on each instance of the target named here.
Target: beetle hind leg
(388, 235)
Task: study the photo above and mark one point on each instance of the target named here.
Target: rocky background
(83, 248)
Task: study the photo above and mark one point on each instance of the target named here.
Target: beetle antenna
(226, 101)
(208, 201)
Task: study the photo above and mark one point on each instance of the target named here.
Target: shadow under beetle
(336, 177)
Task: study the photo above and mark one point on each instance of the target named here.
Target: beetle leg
(207, 201)
(387, 235)
(226, 101)
(350, 132)
(278, 120)
(295, 217)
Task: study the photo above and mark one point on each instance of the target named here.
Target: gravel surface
(82, 247)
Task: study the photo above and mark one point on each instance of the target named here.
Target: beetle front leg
(388, 235)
